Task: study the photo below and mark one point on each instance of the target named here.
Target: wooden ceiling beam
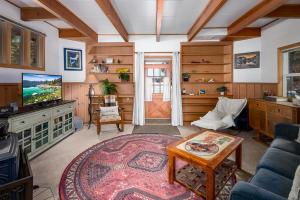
(59, 10)
(36, 14)
(159, 17)
(112, 15)
(210, 10)
(259, 11)
(244, 34)
(286, 11)
(70, 33)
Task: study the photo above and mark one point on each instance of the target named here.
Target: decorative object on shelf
(222, 90)
(118, 61)
(186, 77)
(183, 92)
(91, 79)
(267, 93)
(202, 91)
(109, 60)
(14, 106)
(72, 59)
(94, 60)
(108, 87)
(103, 68)
(211, 80)
(296, 100)
(192, 93)
(123, 74)
(247, 60)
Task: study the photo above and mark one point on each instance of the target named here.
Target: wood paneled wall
(252, 90)
(78, 91)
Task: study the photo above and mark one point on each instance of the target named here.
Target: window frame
(161, 84)
(25, 64)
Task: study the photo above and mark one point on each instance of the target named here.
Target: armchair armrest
(287, 131)
(247, 191)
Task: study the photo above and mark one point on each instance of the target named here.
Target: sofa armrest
(247, 191)
(287, 131)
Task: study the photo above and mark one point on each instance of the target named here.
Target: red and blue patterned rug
(126, 167)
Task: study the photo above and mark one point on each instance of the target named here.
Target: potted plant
(186, 77)
(108, 88)
(222, 90)
(123, 74)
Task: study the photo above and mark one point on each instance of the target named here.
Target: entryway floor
(158, 121)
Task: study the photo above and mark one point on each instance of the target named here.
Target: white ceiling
(139, 16)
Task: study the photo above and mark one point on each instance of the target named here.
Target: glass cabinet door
(25, 138)
(68, 121)
(16, 45)
(57, 127)
(41, 135)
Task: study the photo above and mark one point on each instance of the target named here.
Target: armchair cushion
(287, 131)
(110, 118)
(286, 145)
(108, 111)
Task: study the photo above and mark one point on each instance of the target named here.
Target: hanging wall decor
(72, 59)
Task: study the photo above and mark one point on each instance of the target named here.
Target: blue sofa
(275, 172)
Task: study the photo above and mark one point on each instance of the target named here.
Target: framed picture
(72, 59)
(247, 60)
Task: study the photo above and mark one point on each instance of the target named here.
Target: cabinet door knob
(44, 115)
(23, 122)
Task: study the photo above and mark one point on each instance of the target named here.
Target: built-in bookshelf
(209, 66)
(104, 60)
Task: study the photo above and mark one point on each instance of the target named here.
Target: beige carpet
(48, 167)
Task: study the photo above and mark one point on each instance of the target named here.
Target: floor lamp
(91, 79)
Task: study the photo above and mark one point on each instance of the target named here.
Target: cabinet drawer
(61, 109)
(260, 105)
(30, 119)
(272, 108)
(285, 111)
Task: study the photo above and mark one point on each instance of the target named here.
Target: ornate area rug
(126, 167)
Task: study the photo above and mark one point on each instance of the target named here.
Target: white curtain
(167, 89)
(148, 89)
(138, 108)
(177, 119)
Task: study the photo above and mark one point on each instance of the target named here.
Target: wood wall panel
(252, 90)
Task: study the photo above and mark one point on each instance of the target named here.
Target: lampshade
(91, 79)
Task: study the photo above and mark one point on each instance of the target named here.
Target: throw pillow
(295, 191)
(107, 111)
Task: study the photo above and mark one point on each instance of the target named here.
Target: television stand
(41, 127)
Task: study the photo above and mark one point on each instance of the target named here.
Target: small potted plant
(222, 90)
(123, 74)
(108, 88)
(186, 77)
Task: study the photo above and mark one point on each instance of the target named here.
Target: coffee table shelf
(195, 178)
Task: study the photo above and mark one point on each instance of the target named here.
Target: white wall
(247, 75)
(53, 48)
(72, 76)
(275, 36)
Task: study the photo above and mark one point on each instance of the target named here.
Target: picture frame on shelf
(72, 59)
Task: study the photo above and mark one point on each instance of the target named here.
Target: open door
(158, 90)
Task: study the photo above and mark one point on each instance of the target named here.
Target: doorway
(158, 89)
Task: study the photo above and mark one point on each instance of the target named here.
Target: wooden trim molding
(280, 51)
(159, 16)
(210, 10)
(36, 14)
(114, 18)
(260, 10)
(58, 9)
(286, 11)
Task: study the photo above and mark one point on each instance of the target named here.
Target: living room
(149, 99)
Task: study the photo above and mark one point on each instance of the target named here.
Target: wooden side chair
(110, 113)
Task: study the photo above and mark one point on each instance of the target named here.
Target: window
(157, 75)
(16, 43)
(291, 72)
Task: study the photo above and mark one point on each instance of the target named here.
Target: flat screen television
(40, 88)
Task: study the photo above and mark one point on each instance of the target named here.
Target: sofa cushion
(286, 145)
(272, 182)
(280, 161)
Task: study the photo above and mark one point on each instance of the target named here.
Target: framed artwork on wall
(247, 60)
(72, 59)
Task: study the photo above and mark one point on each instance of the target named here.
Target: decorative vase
(222, 93)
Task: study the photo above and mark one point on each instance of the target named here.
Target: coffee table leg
(210, 187)
(171, 167)
(238, 156)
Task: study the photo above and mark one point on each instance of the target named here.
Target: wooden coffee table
(207, 172)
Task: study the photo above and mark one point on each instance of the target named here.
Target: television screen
(38, 88)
